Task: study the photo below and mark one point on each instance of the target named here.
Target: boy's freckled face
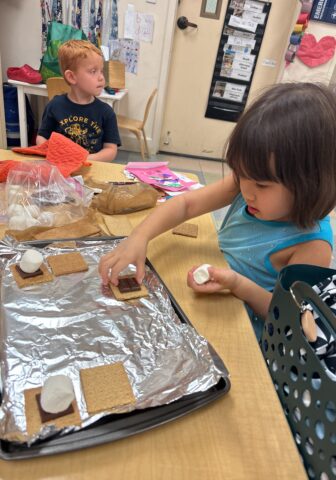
(267, 200)
(89, 75)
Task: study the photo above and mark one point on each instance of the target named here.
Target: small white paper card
(130, 19)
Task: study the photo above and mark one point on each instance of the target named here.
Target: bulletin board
(242, 35)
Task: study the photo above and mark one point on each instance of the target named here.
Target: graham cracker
(82, 228)
(66, 263)
(186, 229)
(118, 226)
(33, 418)
(27, 282)
(106, 387)
(143, 292)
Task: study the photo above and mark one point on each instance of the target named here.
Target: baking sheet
(77, 324)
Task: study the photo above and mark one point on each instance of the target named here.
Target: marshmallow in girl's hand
(57, 394)
(31, 261)
(201, 274)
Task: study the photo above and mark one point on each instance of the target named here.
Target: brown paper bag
(126, 198)
(114, 73)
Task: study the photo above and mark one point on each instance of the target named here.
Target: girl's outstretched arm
(164, 217)
(241, 287)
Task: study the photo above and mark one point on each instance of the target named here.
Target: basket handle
(302, 292)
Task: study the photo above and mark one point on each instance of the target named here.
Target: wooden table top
(243, 435)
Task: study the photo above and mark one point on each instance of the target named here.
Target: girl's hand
(220, 279)
(132, 250)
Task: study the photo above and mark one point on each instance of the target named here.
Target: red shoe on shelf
(24, 74)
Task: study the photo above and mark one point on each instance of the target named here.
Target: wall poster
(243, 30)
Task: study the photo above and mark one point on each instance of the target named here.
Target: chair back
(56, 86)
(148, 106)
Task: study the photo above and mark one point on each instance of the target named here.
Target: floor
(207, 171)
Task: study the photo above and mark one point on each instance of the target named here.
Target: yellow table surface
(243, 435)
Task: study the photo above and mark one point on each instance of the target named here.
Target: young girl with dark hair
(282, 153)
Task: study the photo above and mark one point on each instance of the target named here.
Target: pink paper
(159, 176)
(145, 165)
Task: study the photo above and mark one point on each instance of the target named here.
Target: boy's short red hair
(72, 52)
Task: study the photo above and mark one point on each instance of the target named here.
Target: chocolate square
(47, 416)
(26, 274)
(128, 284)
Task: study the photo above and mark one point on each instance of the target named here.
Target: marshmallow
(57, 394)
(13, 193)
(17, 222)
(15, 209)
(31, 222)
(47, 219)
(31, 261)
(201, 274)
(33, 210)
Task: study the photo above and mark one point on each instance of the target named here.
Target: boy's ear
(70, 77)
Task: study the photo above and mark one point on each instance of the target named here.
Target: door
(185, 130)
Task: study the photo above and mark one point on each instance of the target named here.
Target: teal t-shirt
(248, 243)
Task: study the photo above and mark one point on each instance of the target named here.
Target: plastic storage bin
(306, 392)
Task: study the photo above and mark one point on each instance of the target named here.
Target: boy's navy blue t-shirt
(89, 125)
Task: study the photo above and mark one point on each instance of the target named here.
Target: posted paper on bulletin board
(244, 26)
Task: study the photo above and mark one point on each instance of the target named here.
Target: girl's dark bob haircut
(288, 136)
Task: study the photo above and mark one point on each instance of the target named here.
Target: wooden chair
(138, 126)
(56, 86)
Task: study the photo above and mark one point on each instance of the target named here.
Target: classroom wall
(326, 73)
(20, 43)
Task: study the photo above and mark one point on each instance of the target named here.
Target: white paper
(229, 91)
(254, 17)
(129, 27)
(238, 74)
(237, 33)
(146, 27)
(241, 41)
(127, 52)
(269, 62)
(231, 48)
(234, 92)
(245, 24)
(237, 65)
(105, 51)
(247, 5)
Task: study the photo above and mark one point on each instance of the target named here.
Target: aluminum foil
(75, 323)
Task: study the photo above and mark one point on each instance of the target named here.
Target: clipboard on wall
(242, 35)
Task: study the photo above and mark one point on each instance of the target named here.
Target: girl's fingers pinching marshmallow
(201, 274)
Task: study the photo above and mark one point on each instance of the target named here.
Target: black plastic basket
(306, 392)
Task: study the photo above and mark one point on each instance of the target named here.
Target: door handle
(183, 23)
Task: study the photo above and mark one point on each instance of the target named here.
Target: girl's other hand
(220, 279)
(132, 250)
